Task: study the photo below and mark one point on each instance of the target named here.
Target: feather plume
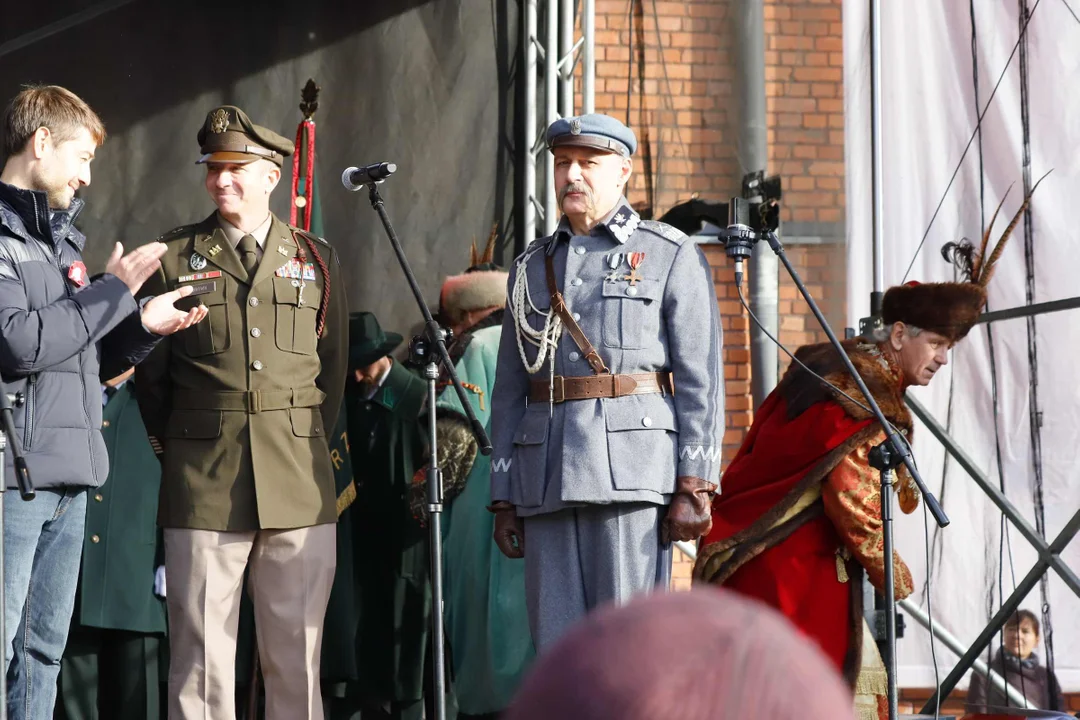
(976, 265)
(489, 251)
(986, 268)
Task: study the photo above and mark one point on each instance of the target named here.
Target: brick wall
(679, 107)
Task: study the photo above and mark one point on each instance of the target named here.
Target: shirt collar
(620, 223)
(233, 234)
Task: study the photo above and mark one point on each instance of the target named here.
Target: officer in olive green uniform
(242, 405)
(386, 442)
(110, 667)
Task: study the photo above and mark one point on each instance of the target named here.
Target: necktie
(248, 253)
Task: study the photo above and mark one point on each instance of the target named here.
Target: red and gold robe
(798, 518)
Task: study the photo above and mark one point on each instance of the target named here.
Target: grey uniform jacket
(630, 449)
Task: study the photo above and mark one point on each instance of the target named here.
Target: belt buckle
(558, 389)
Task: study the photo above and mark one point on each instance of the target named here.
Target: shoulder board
(663, 230)
(311, 236)
(181, 231)
(534, 246)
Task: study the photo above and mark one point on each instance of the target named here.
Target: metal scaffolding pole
(588, 72)
(950, 641)
(558, 53)
(551, 112)
(752, 154)
(527, 193)
(566, 58)
(875, 144)
(1049, 553)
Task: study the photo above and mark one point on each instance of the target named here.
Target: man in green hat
(384, 400)
(242, 406)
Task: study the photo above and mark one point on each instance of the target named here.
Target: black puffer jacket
(58, 341)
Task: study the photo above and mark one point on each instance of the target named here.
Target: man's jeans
(43, 542)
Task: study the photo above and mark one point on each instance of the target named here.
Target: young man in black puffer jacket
(60, 333)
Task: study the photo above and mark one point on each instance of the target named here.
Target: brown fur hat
(947, 308)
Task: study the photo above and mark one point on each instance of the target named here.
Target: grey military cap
(596, 131)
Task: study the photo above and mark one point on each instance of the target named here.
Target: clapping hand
(161, 317)
(138, 265)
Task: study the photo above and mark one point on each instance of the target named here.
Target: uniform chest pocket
(631, 314)
(211, 336)
(294, 318)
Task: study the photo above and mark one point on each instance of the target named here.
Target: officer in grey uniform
(608, 406)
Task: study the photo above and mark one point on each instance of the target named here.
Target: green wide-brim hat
(368, 342)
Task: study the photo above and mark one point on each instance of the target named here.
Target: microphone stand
(889, 454)
(434, 337)
(8, 437)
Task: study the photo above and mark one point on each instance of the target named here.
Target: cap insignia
(575, 126)
(219, 120)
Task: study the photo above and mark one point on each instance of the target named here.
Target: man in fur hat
(799, 520)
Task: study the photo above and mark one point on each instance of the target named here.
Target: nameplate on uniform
(203, 287)
(199, 276)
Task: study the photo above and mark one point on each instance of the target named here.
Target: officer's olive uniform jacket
(614, 450)
(267, 466)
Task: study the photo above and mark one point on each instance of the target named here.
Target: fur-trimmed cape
(771, 492)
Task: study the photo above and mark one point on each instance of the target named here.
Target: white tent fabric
(929, 54)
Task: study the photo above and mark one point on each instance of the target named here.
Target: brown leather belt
(599, 386)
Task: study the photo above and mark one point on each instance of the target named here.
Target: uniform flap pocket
(642, 290)
(194, 424)
(533, 429)
(306, 422)
(640, 412)
(288, 293)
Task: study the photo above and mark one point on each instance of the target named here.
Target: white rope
(546, 340)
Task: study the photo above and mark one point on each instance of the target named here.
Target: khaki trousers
(289, 579)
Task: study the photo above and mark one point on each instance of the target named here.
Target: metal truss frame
(554, 60)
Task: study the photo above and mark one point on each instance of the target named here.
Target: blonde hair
(61, 111)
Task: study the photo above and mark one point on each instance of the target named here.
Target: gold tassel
(841, 565)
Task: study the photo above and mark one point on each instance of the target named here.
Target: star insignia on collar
(624, 224)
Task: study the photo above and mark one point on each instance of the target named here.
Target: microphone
(355, 178)
(738, 236)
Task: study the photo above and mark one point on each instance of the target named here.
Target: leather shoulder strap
(559, 306)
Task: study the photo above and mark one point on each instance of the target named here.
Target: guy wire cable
(1035, 411)
(971, 140)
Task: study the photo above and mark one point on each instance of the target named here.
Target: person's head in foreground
(696, 655)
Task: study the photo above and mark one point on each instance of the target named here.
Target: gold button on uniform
(104, 423)
(98, 497)
(257, 365)
(256, 332)
(253, 301)
(95, 539)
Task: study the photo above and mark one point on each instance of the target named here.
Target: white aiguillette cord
(547, 338)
